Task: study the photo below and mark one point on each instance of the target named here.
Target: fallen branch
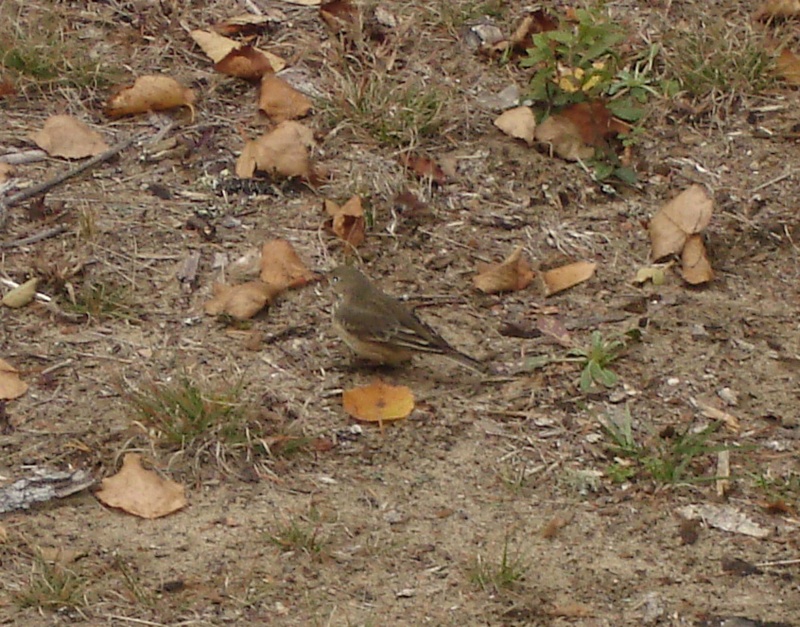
(57, 180)
(44, 485)
(36, 237)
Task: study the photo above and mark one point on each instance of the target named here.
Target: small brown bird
(379, 328)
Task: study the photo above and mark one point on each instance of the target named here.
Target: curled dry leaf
(281, 267)
(141, 492)
(518, 122)
(22, 294)
(150, 93)
(283, 152)
(787, 66)
(564, 137)
(217, 48)
(240, 301)
(686, 214)
(347, 221)
(695, 266)
(560, 279)
(246, 62)
(339, 15)
(68, 137)
(280, 101)
(513, 274)
(11, 386)
(378, 402)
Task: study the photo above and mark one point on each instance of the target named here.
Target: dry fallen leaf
(11, 386)
(218, 48)
(378, 402)
(240, 301)
(6, 88)
(686, 214)
(347, 221)
(513, 274)
(21, 295)
(339, 15)
(559, 279)
(281, 267)
(141, 492)
(150, 93)
(68, 137)
(778, 8)
(248, 24)
(564, 137)
(650, 273)
(518, 122)
(787, 66)
(725, 517)
(695, 266)
(424, 167)
(280, 101)
(283, 151)
(246, 62)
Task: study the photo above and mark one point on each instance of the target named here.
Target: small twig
(25, 156)
(36, 237)
(778, 563)
(57, 180)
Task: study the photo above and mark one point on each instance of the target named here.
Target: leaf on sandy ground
(787, 65)
(141, 492)
(21, 295)
(339, 15)
(283, 152)
(150, 93)
(68, 137)
(695, 266)
(240, 301)
(249, 24)
(11, 386)
(280, 101)
(771, 9)
(512, 275)
(686, 214)
(575, 131)
(7, 172)
(519, 122)
(346, 222)
(378, 402)
(281, 266)
(560, 279)
(218, 48)
(655, 274)
(423, 167)
(725, 517)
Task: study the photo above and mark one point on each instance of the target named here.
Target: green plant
(183, 413)
(669, 458)
(102, 301)
(498, 576)
(300, 536)
(52, 586)
(595, 359)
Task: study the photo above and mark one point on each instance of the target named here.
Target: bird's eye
(334, 279)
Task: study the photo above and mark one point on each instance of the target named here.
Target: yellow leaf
(378, 402)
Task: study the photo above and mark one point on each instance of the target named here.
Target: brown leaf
(68, 137)
(240, 301)
(281, 267)
(150, 93)
(560, 279)
(11, 386)
(686, 214)
(778, 8)
(218, 47)
(695, 266)
(283, 152)
(518, 122)
(564, 138)
(141, 492)
(347, 221)
(378, 402)
(513, 274)
(245, 62)
(7, 88)
(788, 66)
(577, 130)
(535, 22)
(424, 167)
(280, 101)
(339, 15)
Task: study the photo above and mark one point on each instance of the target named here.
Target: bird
(379, 328)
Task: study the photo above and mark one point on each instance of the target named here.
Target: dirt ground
(499, 501)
